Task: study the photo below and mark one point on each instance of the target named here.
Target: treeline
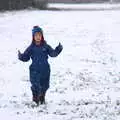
(22, 4)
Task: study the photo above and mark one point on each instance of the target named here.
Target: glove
(19, 54)
(60, 47)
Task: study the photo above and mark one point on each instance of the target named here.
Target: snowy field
(85, 77)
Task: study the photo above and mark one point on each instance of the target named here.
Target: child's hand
(60, 46)
(19, 54)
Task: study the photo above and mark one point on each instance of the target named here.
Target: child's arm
(54, 52)
(25, 56)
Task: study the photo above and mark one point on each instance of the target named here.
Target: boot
(42, 98)
(36, 99)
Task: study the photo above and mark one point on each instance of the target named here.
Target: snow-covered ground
(85, 77)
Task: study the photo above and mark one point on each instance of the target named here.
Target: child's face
(38, 37)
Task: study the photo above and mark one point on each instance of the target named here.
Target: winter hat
(36, 29)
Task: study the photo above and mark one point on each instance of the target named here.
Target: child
(38, 51)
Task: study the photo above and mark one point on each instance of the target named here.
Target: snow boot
(36, 99)
(42, 98)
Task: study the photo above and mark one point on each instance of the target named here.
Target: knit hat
(36, 29)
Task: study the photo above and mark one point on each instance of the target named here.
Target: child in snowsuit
(38, 51)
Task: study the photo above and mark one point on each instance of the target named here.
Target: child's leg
(44, 83)
(43, 89)
(35, 96)
(34, 86)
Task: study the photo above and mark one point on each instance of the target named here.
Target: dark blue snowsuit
(40, 68)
